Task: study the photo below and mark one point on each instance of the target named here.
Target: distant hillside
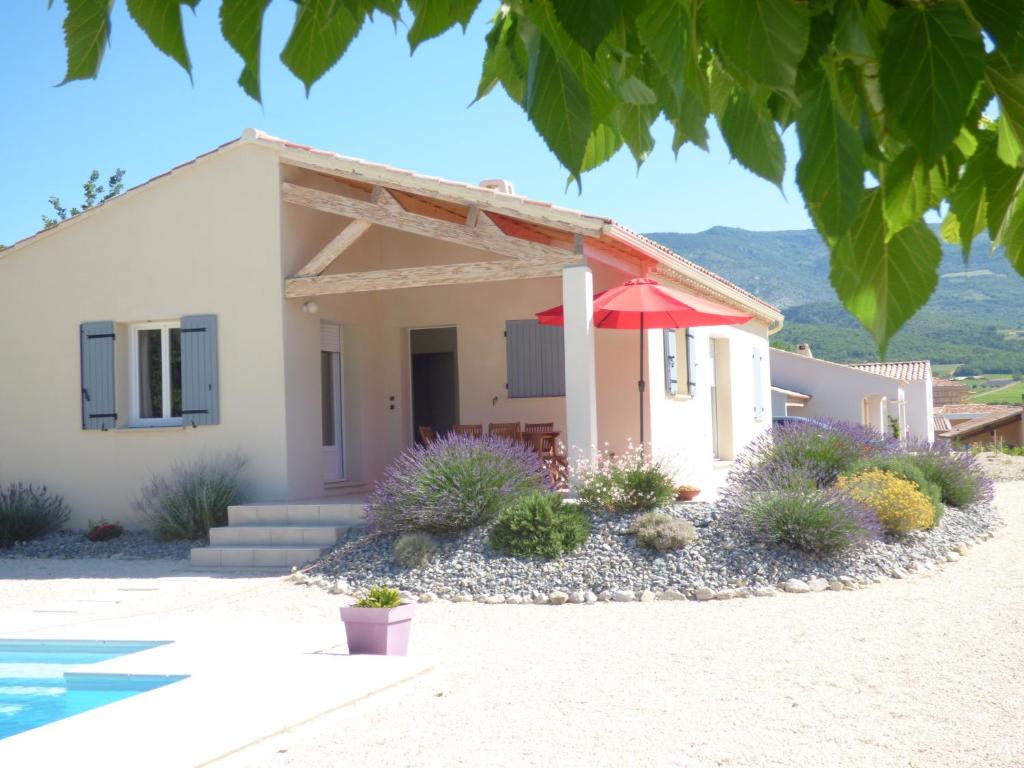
(973, 317)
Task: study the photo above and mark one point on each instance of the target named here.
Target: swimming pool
(36, 687)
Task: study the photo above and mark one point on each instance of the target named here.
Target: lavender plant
(817, 521)
(28, 512)
(957, 473)
(455, 483)
(805, 454)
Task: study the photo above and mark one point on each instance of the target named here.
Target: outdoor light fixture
(310, 307)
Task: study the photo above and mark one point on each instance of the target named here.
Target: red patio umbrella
(641, 304)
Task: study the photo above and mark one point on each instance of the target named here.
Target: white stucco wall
(201, 241)
(920, 412)
(838, 391)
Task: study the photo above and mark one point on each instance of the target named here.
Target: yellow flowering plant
(899, 504)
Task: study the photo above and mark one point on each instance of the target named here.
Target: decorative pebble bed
(72, 545)
(724, 563)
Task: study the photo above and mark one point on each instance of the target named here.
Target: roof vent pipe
(804, 349)
(499, 185)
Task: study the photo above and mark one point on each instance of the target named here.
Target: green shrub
(656, 530)
(819, 522)
(28, 512)
(540, 524)
(909, 468)
(381, 597)
(193, 498)
(414, 550)
(631, 482)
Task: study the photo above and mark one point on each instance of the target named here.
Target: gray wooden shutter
(671, 362)
(200, 389)
(758, 394)
(99, 405)
(691, 363)
(535, 357)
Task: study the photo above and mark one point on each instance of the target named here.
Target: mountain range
(975, 318)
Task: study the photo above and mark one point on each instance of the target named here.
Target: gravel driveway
(924, 671)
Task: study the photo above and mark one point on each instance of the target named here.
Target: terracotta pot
(380, 631)
(687, 494)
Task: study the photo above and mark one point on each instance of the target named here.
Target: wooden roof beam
(338, 245)
(419, 277)
(387, 213)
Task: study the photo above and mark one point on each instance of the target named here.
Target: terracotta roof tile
(913, 370)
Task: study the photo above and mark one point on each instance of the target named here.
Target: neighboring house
(946, 392)
(878, 395)
(1004, 427)
(310, 311)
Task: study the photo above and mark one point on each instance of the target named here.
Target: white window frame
(682, 365)
(166, 420)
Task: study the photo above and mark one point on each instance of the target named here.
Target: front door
(435, 380)
(330, 403)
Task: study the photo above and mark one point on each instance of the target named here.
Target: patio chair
(509, 430)
(543, 438)
(427, 435)
(469, 430)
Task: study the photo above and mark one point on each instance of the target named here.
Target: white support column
(580, 375)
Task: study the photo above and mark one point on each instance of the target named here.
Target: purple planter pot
(380, 631)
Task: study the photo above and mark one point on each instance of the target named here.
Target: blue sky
(143, 114)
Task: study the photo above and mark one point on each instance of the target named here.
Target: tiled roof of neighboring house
(975, 410)
(985, 423)
(941, 423)
(601, 224)
(912, 370)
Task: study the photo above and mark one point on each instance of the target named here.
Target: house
(982, 424)
(310, 311)
(890, 397)
(946, 392)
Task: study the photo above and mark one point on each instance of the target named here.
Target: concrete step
(254, 557)
(342, 514)
(276, 535)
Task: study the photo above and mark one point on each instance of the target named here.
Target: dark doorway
(435, 380)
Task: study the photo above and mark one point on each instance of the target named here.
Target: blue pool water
(35, 689)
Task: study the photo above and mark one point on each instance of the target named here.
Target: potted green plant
(379, 623)
(687, 492)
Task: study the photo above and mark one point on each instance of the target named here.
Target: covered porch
(404, 309)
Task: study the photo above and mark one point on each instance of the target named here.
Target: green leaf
(883, 283)
(1002, 186)
(967, 203)
(588, 22)
(602, 145)
(906, 191)
(161, 21)
(765, 39)
(1003, 20)
(505, 60)
(1008, 84)
(1013, 236)
(752, 138)
(634, 125)
(664, 31)
(86, 35)
(830, 173)
(322, 33)
(931, 64)
(853, 37)
(241, 22)
(557, 105)
(433, 18)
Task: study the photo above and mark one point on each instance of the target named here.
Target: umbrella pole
(640, 385)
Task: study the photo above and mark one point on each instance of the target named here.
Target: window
(680, 375)
(535, 356)
(156, 374)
